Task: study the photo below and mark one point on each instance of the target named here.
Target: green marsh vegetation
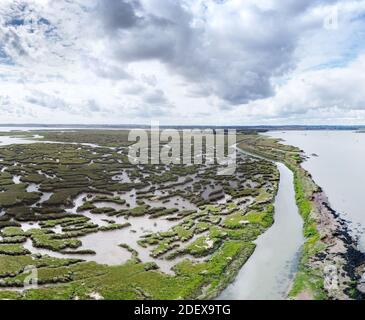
(212, 220)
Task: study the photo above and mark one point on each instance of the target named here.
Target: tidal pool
(106, 244)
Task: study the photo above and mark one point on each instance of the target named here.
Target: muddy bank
(341, 253)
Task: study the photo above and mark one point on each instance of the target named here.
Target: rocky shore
(341, 254)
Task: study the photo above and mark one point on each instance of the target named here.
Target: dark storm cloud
(148, 35)
(119, 14)
(156, 97)
(236, 63)
(231, 59)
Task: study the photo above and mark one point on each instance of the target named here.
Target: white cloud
(181, 62)
(340, 88)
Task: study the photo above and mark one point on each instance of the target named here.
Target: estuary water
(8, 140)
(337, 164)
(268, 273)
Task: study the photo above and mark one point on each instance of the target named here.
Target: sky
(187, 62)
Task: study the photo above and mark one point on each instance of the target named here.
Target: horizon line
(183, 125)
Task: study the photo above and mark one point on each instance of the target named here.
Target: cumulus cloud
(155, 97)
(340, 88)
(231, 49)
(232, 58)
(47, 101)
(201, 61)
(118, 14)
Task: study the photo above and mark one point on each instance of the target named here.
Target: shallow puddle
(106, 243)
(16, 179)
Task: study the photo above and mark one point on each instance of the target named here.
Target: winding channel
(268, 273)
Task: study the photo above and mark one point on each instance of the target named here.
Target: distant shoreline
(258, 128)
